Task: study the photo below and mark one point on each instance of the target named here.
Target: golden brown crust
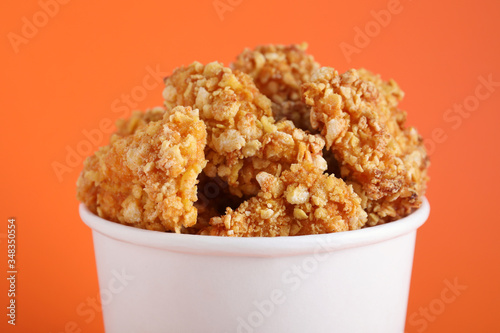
(242, 134)
(148, 179)
(413, 152)
(282, 146)
(213, 193)
(302, 201)
(385, 162)
(252, 139)
(278, 72)
(230, 105)
(138, 120)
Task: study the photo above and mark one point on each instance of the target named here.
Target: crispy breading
(137, 120)
(282, 145)
(278, 72)
(213, 193)
(242, 132)
(302, 201)
(413, 152)
(390, 90)
(359, 118)
(229, 103)
(148, 179)
(263, 170)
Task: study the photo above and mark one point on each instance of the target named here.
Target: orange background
(75, 68)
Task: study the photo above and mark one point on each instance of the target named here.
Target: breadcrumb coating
(213, 193)
(148, 179)
(282, 145)
(384, 161)
(138, 120)
(302, 201)
(278, 72)
(413, 152)
(259, 137)
(243, 138)
(389, 89)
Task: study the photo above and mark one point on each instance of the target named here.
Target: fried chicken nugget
(413, 151)
(243, 138)
(385, 162)
(207, 188)
(229, 103)
(278, 72)
(302, 201)
(148, 179)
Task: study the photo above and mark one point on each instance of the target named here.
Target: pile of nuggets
(276, 144)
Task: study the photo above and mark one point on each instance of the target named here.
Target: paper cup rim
(256, 246)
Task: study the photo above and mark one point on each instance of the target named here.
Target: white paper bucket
(354, 281)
